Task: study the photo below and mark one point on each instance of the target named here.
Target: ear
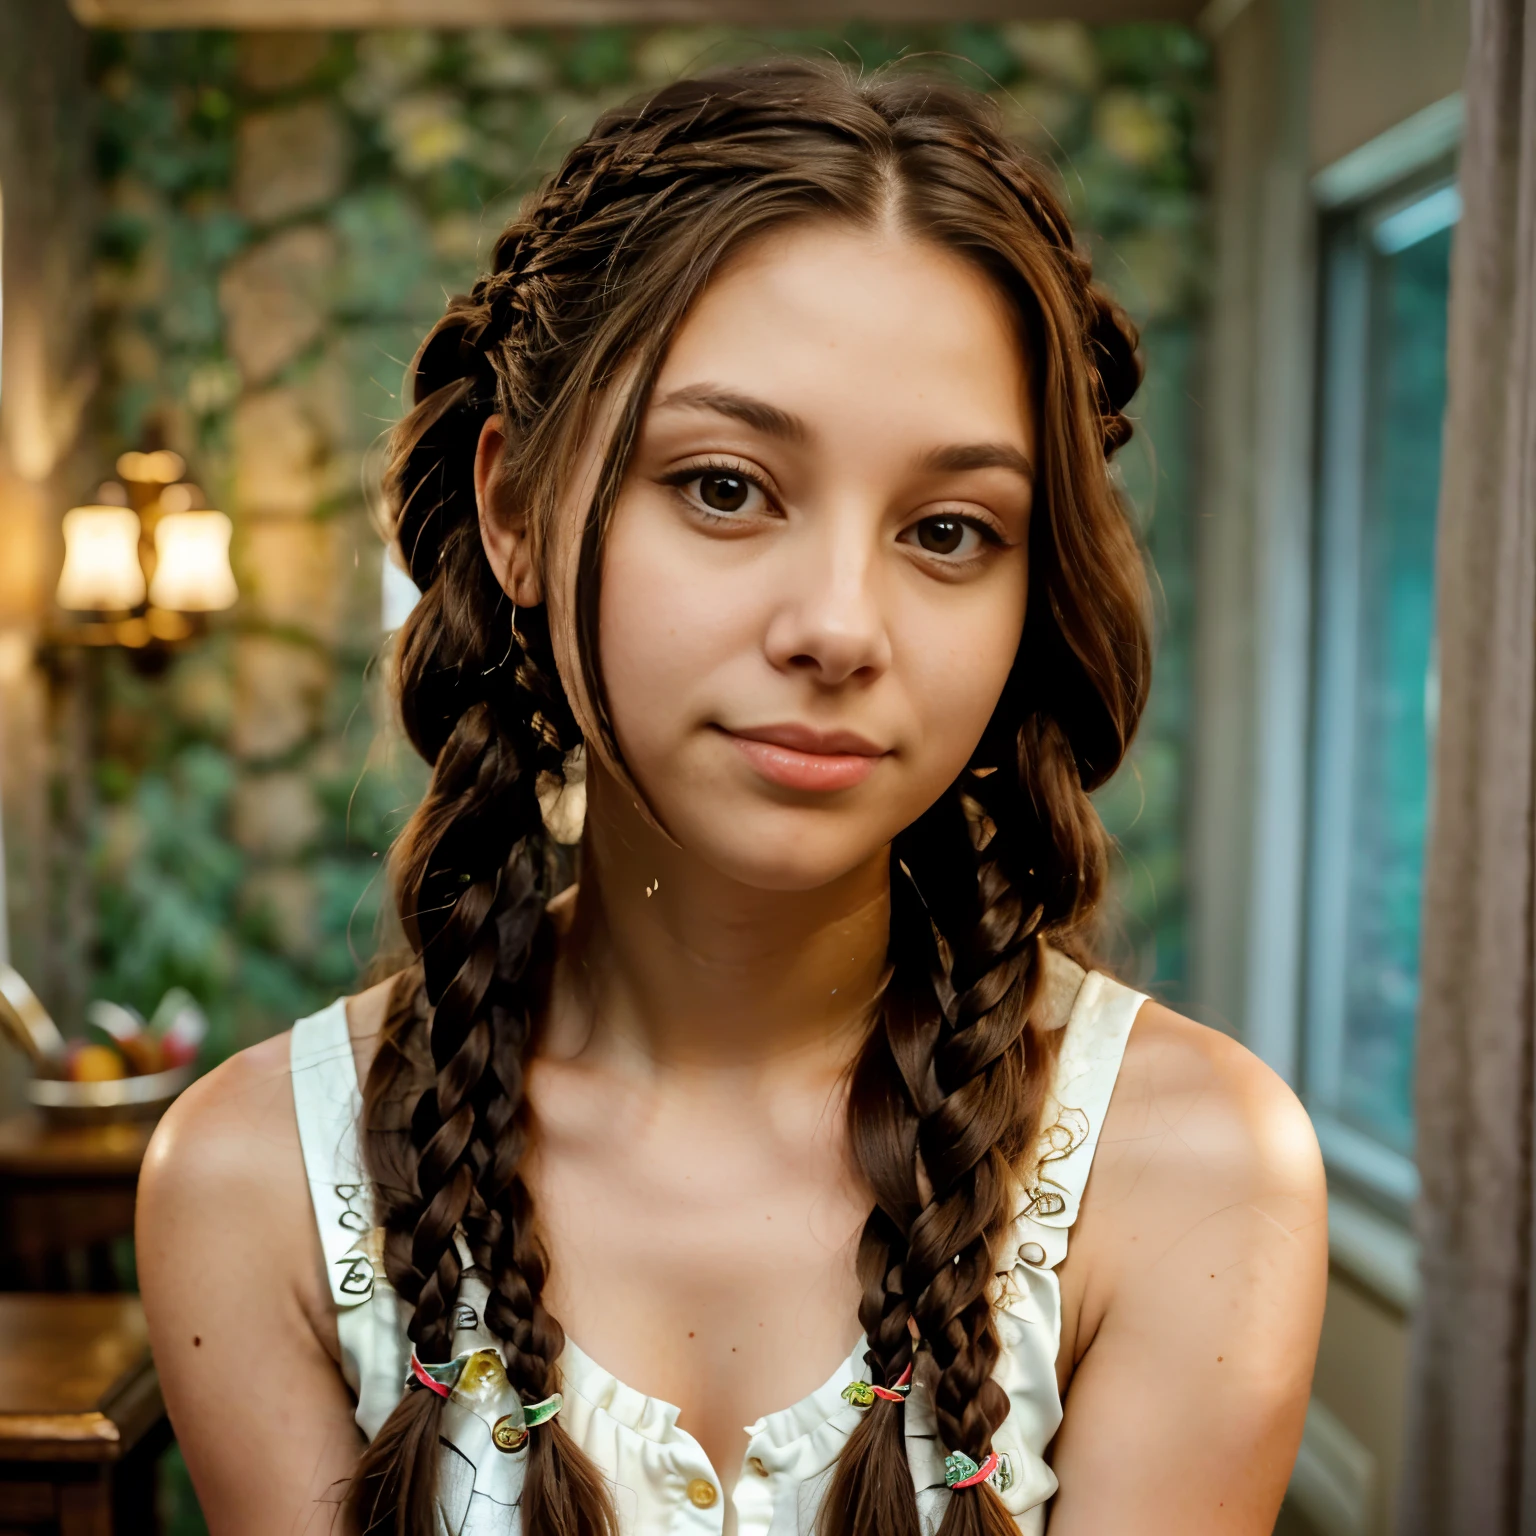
(503, 528)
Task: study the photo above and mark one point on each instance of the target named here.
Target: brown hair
(946, 1097)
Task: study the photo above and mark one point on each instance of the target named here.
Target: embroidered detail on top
(1048, 1198)
(357, 1275)
(361, 1263)
(355, 1217)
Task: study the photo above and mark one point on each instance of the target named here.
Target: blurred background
(226, 225)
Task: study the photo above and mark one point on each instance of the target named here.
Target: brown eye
(721, 491)
(940, 535)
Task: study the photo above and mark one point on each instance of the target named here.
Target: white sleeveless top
(661, 1481)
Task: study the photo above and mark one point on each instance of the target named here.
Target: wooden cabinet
(81, 1418)
(66, 1197)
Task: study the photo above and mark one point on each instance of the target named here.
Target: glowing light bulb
(192, 573)
(101, 560)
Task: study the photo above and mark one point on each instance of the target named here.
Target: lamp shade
(101, 560)
(192, 573)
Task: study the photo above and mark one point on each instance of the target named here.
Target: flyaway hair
(946, 1098)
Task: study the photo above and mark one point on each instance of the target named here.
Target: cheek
(666, 620)
(956, 659)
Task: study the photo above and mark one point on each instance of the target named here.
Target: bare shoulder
(1192, 1292)
(224, 1204)
(1207, 1162)
(228, 1133)
(231, 1141)
(224, 1182)
(1208, 1106)
(234, 1289)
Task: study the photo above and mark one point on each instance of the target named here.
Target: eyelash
(679, 478)
(682, 477)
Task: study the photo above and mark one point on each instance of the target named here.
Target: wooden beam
(253, 15)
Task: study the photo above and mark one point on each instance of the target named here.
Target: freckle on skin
(197, 1341)
(1220, 1358)
(690, 1335)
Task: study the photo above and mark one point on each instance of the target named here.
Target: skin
(714, 979)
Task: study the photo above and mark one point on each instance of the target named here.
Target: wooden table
(81, 1418)
(66, 1195)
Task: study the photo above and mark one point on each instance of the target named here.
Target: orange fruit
(96, 1064)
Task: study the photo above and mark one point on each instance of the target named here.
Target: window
(1386, 281)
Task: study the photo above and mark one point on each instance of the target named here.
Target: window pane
(1394, 699)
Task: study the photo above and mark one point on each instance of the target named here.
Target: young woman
(760, 502)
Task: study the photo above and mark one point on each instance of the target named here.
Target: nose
(831, 620)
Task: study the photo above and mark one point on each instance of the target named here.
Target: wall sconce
(101, 560)
(146, 563)
(192, 573)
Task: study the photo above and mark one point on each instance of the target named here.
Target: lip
(801, 757)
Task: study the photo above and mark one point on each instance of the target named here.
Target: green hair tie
(960, 1471)
(862, 1394)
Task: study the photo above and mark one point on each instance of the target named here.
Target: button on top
(701, 1493)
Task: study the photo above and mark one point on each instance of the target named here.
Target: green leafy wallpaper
(281, 218)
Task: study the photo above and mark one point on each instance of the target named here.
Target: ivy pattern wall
(282, 215)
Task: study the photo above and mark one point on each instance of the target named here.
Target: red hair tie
(425, 1378)
(961, 1472)
(861, 1394)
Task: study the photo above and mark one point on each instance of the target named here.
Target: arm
(241, 1322)
(1196, 1274)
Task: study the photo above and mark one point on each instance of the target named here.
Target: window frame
(1352, 199)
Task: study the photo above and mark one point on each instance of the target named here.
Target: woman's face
(814, 581)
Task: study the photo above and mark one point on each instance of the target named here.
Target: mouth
(799, 757)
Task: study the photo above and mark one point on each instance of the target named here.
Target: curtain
(1471, 1453)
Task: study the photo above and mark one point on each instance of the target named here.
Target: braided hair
(947, 1094)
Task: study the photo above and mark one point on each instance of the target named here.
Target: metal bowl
(120, 1098)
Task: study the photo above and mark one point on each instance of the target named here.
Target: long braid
(968, 1087)
(870, 1490)
(985, 1091)
(473, 879)
(947, 1094)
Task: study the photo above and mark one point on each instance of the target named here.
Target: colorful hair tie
(961, 1472)
(477, 1381)
(862, 1394)
(441, 1379)
(508, 1434)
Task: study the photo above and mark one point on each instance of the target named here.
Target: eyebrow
(765, 418)
(774, 422)
(960, 456)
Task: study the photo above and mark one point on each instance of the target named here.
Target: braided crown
(673, 148)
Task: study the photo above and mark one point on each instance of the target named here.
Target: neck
(672, 961)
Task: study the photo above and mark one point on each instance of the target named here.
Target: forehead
(841, 324)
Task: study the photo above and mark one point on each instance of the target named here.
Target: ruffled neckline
(655, 1419)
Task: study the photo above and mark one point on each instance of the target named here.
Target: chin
(780, 848)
